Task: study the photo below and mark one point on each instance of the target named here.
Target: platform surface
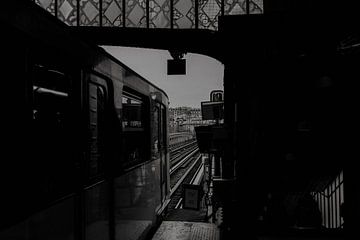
(176, 230)
(187, 215)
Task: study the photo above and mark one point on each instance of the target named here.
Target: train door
(96, 194)
(164, 154)
(43, 169)
(162, 149)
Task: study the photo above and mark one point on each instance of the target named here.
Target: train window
(163, 124)
(133, 125)
(159, 143)
(155, 133)
(159, 140)
(163, 127)
(97, 100)
(51, 136)
(132, 113)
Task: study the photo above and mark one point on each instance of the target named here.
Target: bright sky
(203, 74)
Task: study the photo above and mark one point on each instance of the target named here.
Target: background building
(185, 119)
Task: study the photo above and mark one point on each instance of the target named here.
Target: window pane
(49, 5)
(256, 6)
(89, 13)
(96, 126)
(51, 136)
(234, 7)
(184, 13)
(112, 13)
(159, 11)
(209, 10)
(135, 139)
(67, 11)
(155, 133)
(135, 13)
(132, 113)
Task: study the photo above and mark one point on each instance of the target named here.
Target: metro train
(85, 139)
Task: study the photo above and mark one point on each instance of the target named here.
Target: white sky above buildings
(203, 74)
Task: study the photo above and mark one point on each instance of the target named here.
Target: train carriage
(85, 150)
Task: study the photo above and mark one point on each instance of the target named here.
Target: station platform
(177, 230)
(188, 215)
(186, 223)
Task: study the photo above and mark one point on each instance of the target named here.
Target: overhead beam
(200, 41)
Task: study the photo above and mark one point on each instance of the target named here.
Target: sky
(203, 73)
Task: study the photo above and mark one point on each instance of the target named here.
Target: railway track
(185, 172)
(182, 152)
(176, 146)
(183, 161)
(191, 174)
(185, 168)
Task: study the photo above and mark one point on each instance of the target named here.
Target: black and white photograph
(179, 120)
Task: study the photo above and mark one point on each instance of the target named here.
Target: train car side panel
(85, 158)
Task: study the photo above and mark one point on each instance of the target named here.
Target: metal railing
(330, 200)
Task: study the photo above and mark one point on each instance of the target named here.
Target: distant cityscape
(184, 119)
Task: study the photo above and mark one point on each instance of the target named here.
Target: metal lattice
(178, 14)
(89, 13)
(67, 11)
(184, 14)
(209, 10)
(49, 5)
(112, 13)
(135, 12)
(160, 15)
